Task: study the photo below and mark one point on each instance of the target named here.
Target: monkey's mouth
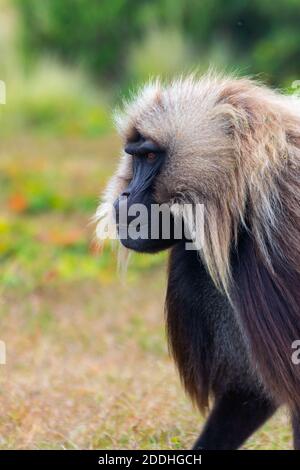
(137, 227)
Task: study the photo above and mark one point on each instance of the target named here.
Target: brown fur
(234, 145)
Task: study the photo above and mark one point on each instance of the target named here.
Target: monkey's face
(142, 224)
(178, 148)
(192, 122)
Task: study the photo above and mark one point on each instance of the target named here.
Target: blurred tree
(104, 36)
(92, 33)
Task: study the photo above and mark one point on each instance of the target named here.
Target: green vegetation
(67, 63)
(67, 105)
(256, 36)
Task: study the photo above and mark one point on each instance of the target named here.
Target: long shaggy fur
(234, 146)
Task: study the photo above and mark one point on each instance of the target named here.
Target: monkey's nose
(121, 209)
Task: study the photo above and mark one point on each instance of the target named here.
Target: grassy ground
(87, 364)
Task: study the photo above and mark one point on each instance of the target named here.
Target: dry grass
(87, 364)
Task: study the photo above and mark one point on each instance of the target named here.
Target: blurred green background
(87, 359)
(66, 62)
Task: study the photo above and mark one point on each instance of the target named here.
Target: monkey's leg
(235, 416)
(296, 430)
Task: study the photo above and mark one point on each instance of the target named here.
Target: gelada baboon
(233, 305)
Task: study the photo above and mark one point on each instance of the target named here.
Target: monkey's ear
(267, 305)
(249, 113)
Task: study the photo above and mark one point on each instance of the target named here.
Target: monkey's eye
(151, 156)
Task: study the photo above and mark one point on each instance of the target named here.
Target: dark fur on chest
(204, 337)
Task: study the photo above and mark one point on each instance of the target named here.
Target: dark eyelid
(143, 148)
